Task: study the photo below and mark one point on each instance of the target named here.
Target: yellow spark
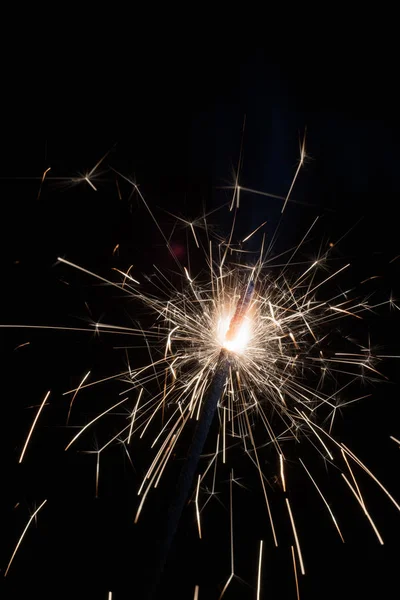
(316, 434)
(197, 505)
(93, 421)
(134, 414)
(231, 534)
(259, 570)
(169, 340)
(126, 276)
(282, 472)
(74, 396)
(226, 586)
(325, 502)
(22, 345)
(187, 275)
(67, 262)
(97, 474)
(347, 312)
(361, 503)
(194, 235)
(115, 249)
(354, 457)
(295, 573)
(296, 538)
(196, 592)
(253, 232)
(22, 536)
(45, 173)
(41, 183)
(301, 162)
(224, 436)
(293, 340)
(33, 427)
(261, 478)
(86, 178)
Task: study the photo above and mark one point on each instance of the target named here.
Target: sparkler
(245, 343)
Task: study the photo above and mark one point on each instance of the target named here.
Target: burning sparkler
(247, 345)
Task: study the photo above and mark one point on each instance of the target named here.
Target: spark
(22, 345)
(93, 420)
(295, 573)
(33, 427)
(361, 502)
(296, 538)
(74, 396)
(232, 574)
(97, 473)
(282, 472)
(253, 232)
(197, 505)
(33, 516)
(301, 162)
(196, 592)
(395, 439)
(259, 570)
(41, 182)
(358, 461)
(324, 500)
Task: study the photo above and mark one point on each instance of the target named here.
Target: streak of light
(134, 415)
(127, 276)
(197, 506)
(395, 439)
(194, 235)
(93, 420)
(296, 538)
(22, 345)
(282, 472)
(261, 479)
(253, 232)
(71, 264)
(45, 173)
(86, 178)
(360, 498)
(33, 426)
(325, 502)
(97, 473)
(301, 162)
(22, 536)
(74, 396)
(231, 537)
(295, 573)
(316, 434)
(361, 502)
(196, 592)
(259, 570)
(372, 476)
(41, 182)
(347, 312)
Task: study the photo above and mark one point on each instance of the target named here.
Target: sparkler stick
(189, 468)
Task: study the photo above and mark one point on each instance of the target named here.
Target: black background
(181, 142)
